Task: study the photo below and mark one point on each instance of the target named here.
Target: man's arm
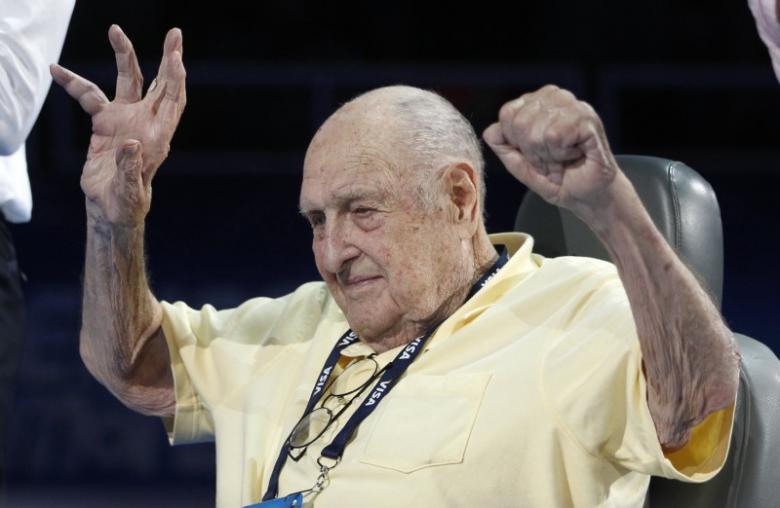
(31, 37)
(690, 359)
(122, 343)
(556, 145)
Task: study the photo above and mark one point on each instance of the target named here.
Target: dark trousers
(11, 332)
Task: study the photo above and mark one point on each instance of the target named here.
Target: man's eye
(366, 218)
(316, 220)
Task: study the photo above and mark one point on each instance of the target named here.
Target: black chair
(685, 209)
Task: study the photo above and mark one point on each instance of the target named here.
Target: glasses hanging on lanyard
(313, 424)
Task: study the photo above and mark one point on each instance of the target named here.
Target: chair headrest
(680, 201)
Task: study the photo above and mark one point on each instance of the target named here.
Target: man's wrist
(98, 222)
(619, 219)
(617, 203)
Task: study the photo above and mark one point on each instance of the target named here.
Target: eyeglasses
(314, 423)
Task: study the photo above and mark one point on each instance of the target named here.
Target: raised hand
(556, 146)
(131, 135)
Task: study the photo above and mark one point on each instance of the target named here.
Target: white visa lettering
(411, 348)
(377, 393)
(484, 283)
(349, 338)
(322, 380)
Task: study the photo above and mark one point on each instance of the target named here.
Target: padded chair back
(684, 208)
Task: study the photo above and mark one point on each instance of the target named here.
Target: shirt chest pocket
(426, 421)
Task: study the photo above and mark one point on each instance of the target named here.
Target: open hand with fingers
(131, 135)
(556, 146)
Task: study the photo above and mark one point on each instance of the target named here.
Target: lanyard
(393, 373)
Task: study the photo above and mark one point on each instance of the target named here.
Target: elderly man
(436, 365)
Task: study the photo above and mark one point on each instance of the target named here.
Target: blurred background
(679, 79)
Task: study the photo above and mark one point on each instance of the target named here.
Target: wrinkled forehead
(351, 151)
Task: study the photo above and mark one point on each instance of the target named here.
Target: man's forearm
(122, 343)
(689, 356)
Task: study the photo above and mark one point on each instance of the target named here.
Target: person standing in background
(767, 14)
(32, 33)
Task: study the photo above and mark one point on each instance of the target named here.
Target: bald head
(421, 130)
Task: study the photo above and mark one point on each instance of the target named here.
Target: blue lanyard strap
(345, 341)
(394, 371)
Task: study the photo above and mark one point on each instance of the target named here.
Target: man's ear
(460, 182)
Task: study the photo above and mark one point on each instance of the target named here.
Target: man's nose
(337, 247)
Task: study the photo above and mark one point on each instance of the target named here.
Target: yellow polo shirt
(530, 395)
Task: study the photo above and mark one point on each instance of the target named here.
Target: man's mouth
(352, 281)
(360, 280)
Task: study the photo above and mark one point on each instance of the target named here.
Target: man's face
(388, 260)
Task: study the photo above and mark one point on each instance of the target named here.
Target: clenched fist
(556, 146)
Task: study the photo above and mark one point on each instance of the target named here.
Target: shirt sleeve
(593, 376)
(213, 352)
(766, 16)
(32, 33)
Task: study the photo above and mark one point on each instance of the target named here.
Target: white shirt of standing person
(767, 14)
(31, 36)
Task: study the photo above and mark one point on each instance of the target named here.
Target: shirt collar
(521, 263)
